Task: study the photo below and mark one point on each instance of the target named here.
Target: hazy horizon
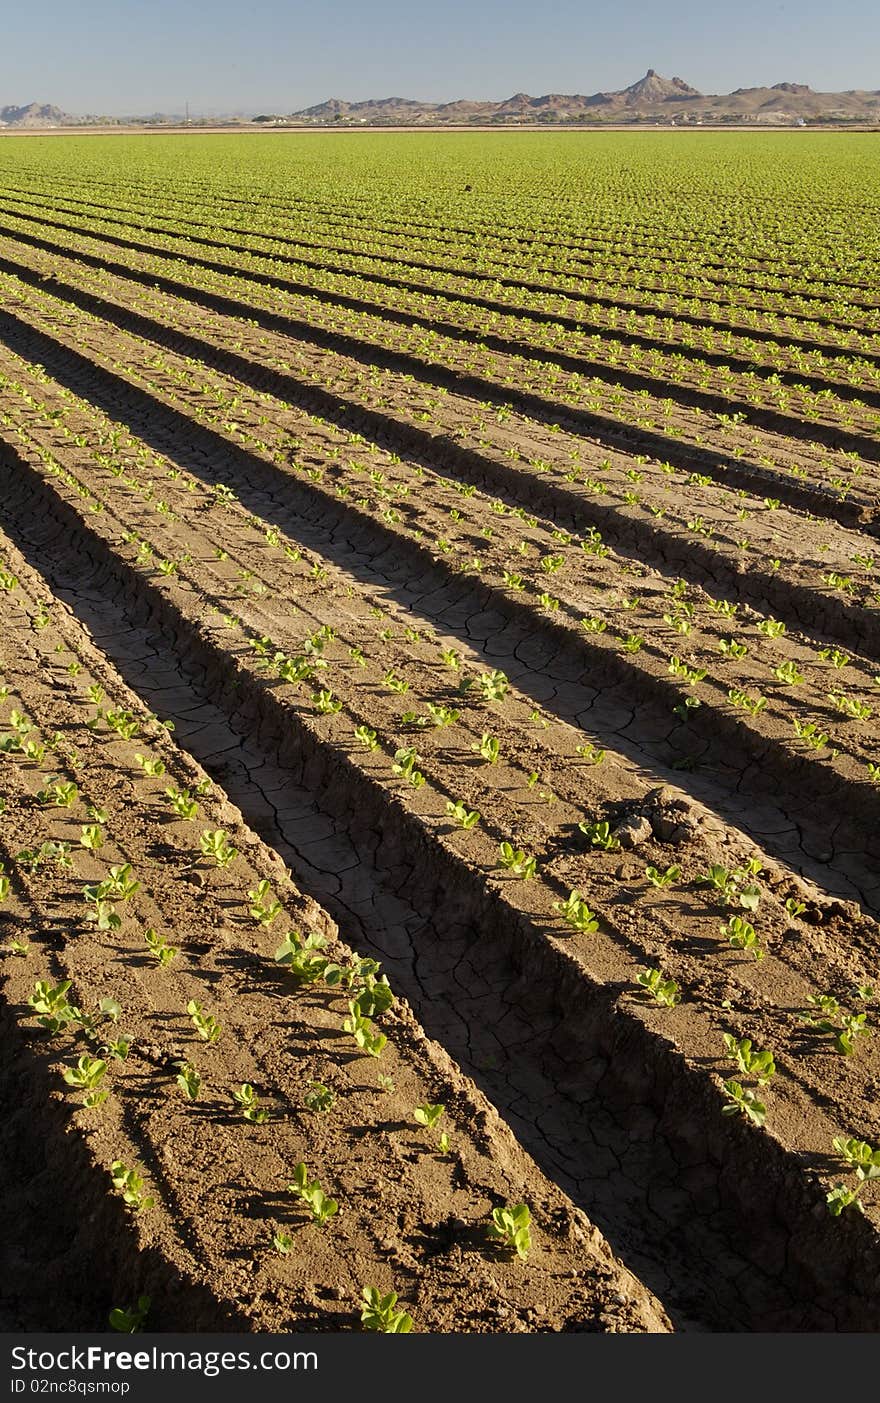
(123, 58)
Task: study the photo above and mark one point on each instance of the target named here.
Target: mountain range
(653, 99)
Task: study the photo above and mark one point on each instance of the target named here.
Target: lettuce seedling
(462, 816)
(366, 736)
(310, 1191)
(363, 1030)
(205, 1024)
(845, 1028)
(576, 913)
(743, 1101)
(299, 955)
(86, 1076)
(662, 879)
(130, 1320)
(182, 802)
(319, 1097)
(516, 861)
(52, 1006)
(758, 1065)
(741, 935)
(189, 1080)
(125, 723)
(488, 747)
(248, 1099)
(264, 908)
(92, 837)
(600, 836)
(428, 1115)
(159, 948)
(510, 1227)
(378, 1313)
(658, 987)
(283, 1242)
(493, 685)
(214, 843)
(148, 765)
(131, 1185)
(63, 794)
(590, 754)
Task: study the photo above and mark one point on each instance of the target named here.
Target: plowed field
(440, 590)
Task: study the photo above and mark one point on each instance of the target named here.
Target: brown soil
(352, 503)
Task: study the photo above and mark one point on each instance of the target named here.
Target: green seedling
(283, 1242)
(488, 748)
(378, 1313)
(493, 685)
(131, 1185)
(205, 1024)
(788, 674)
(326, 703)
(395, 683)
(599, 835)
(92, 837)
(149, 765)
(662, 880)
(4, 886)
(510, 1227)
(760, 1066)
(264, 908)
(189, 1080)
(591, 754)
(60, 793)
(118, 1049)
(442, 715)
(248, 1099)
(731, 648)
(363, 1030)
(662, 990)
(214, 843)
(130, 1320)
(87, 1076)
(366, 736)
(462, 816)
(310, 1191)
(794, 907)
(182, 802)
(865, 1160)
(428, 1115)
(124, 723)
(299, 955)
(51, 1005)
(743, 1101)
(741, 935)
(845, 1028)
(159, 948)
(319, 1097)
(516, 861)
(576, 913)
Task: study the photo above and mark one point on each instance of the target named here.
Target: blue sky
(133, 56)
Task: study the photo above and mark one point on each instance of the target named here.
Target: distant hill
(35, 114)
(651, 99)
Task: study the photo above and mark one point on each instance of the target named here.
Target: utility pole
(187, 114)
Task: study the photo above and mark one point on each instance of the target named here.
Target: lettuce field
(440, 787)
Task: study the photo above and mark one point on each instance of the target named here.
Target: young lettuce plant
(248, 1099)
(310, 1191)
(743, 1101)
(131, 1185)
(189, 1080)
(299, 954)
(865, 1160)
(214, 843)
(510, 1227)
(378, 1313)
(264, 908)
(159, 948)
(87, 1076)
(51, 1005)
(760, 1066)
(662, 880)
(600, 835)
(205, 1024)
(576, 913)
(662, 990)
(517, 862)
(129, 1321)
(462, 816)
